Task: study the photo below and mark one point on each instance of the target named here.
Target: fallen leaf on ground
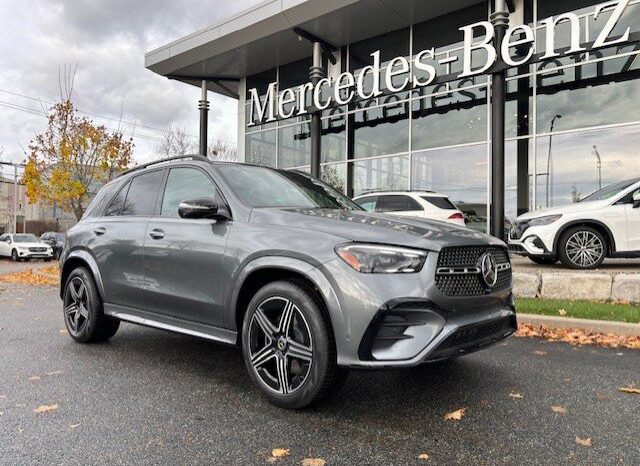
(73, 426)
(62, 331)
(45, 409)
(34, 377)
(562, 312)
(279, 452)
(313, 462)
(578, 337)
(58, 372)
(635, 391)
(42, 276)
(559, 409)
(540, 353)
(516, 396)
(455, 415)
(585, 442)
(423, 456)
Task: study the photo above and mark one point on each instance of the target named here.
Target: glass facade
(572, 124)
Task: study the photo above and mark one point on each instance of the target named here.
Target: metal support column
(203, 105)
(316, 72)
(15, 198)
(500, 21)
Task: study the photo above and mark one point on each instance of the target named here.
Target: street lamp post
(599, 165)
(553, 120)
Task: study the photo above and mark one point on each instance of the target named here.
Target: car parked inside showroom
(302, 279)
(24, 246)
(419, 204)
(581, 235)
(55, 240)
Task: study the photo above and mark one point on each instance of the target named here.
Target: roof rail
(168, 159)
(391, 191)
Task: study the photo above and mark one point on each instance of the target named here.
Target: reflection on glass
(385, 173)
(381, 131)
(583, 161)
(460, 173)
(294, 146)
(519, 107)
(335, 175)
(260, 148)
(333, 138)
(391, 45)
(518, 189)
(455, 118)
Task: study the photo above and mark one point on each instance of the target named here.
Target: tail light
(456, 216)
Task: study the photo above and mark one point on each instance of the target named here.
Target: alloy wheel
(584, 248)
(280, 345)
(76, 311)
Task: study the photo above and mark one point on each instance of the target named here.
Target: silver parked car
(301, 278)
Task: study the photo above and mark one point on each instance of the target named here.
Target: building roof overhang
(262, 37)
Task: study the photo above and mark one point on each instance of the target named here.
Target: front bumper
(391, 321)
(535, 241)
(34, 255)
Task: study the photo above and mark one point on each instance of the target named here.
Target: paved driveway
(8, 266)
(150, 397)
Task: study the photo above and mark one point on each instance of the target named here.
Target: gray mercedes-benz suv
(281, 264)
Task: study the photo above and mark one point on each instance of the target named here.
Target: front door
(184, 258)
(5, 245)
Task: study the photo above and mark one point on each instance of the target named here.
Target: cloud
(107, 40)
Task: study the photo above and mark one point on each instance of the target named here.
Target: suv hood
(369, 227)
(577, 207)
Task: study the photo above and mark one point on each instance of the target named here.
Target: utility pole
(599, 165)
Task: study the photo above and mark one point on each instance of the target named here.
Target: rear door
(399, 204)
(184, 258)
(119, 236)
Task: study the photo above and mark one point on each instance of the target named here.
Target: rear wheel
(582, 248)
(288, 346)
(83, 313)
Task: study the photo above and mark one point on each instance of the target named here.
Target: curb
(595, 326)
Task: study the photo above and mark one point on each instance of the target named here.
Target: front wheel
(83, 313)
(14, 256)
(288, 346)
(582, 248)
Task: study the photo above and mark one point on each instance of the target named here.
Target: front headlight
(372, 258)
(546, 220)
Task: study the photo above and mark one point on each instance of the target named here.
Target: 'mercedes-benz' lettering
(402, 73)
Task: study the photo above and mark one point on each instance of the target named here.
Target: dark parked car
(55, 240)
(301, 278)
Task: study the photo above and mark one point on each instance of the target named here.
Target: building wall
(438, 137)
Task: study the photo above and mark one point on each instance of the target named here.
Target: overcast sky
(107, 39)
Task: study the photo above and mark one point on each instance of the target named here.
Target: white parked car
(421, 204)
(603, 224)
(24, 246)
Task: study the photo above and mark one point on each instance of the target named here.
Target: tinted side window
(397, 203)
(141, 197)
(440, 202)
(367, 203)
(115, 206)
(183, 184)
(97, 205)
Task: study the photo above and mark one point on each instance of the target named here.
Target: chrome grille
(459, 271)
(37, 249)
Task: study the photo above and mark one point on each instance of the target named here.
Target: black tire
(321, 376)
(91, 326)
(569, 238)
(14, 255)
(543, 260)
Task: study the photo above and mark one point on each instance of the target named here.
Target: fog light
(533, 245)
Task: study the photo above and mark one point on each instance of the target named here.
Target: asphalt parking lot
(151, 397)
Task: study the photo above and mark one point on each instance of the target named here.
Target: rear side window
(99, 202)
(184, 184)
(397, 203)
(367, 203)
(115, 206)
(141, 197)
(440, 202)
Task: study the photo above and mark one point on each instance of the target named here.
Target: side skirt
(625, 255)
(172, 324)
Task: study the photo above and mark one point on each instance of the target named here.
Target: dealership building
(413, 98)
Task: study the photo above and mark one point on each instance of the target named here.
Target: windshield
(266, 187)
(609, 191)
(25, 239)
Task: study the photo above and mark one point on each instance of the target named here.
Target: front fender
(310, 272)
(76, 256)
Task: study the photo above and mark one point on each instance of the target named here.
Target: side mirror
(205, 207)
(636, 199)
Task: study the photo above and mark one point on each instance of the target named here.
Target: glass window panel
(115, 206)
(141, 198)
(184, 184)
(381, 131)
(573, 164)
(518, 158)
(294, 74)
(519, 107)
(461, 174)
(385, 173)
(294, 146)
(261, 81)
(391, 45)
(610, 97)
(260, 148)
(455, 118)
(333, 138)
(367, 203)
(335, 175)
(397, 203)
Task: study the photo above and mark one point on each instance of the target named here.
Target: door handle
(100, 231)
(157, 233)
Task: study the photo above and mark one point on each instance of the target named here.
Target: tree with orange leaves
(72, 157)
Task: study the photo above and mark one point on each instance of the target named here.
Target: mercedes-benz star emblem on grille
(489, 269)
